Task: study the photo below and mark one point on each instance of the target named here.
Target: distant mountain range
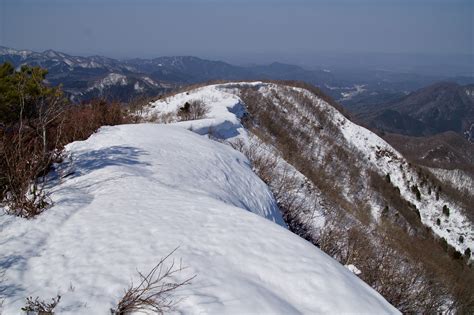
(431, 110)
(85, 78)
(382, 100)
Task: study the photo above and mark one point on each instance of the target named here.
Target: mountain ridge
(77, 74)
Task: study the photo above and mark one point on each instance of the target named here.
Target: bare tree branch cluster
(154, 291)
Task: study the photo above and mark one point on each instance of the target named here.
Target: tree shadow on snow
(90, 161)
(8, 289)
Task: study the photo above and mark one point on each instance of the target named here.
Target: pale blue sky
(232, 28)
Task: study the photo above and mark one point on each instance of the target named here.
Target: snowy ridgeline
(223, 121)
(131, 194)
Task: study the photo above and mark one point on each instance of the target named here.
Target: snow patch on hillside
(150, 81)
(110, 80)
(357, 89)
(138, 87)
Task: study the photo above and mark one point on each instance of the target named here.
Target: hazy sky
(223, 28)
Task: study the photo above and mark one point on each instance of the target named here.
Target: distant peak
(11, 51)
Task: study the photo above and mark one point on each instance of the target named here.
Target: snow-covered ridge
(135, 192)
(223, 121)
(225, 110)
(11, 51)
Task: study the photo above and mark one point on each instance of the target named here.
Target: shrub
(461, 239)
(30, 114)
(467, 253)
(40, 306)
(456, 254)
(22, 162)
(438, 221)
(416, 191)
(81, 121)
(446, 210)
(154, 291)
(193, 110)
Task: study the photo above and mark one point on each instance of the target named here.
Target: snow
(358, 89)
(150, 81)
(225, 111)
(10, 51)
(469, 92)
(137, 87)
(110, 80)
(353, 269)
(69, 62)
(130, 194)
(89, 64)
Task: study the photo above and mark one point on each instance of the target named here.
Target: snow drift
(131, 194)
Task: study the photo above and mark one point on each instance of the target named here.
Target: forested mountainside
(431, 110)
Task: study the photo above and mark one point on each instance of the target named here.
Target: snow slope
(383, 158)
(131, 194)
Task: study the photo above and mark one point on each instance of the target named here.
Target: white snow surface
(131, 194)
(225, 110)
(353, 269)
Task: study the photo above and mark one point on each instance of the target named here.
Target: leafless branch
(154, 292)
